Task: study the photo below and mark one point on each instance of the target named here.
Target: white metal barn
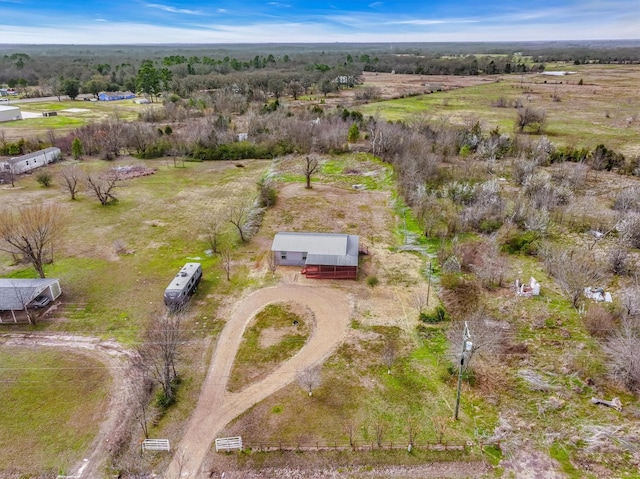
(10, 113)
(20, 164)
(16, 294)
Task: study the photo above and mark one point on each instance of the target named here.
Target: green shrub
(373, 281)
(438, 315)
(44, 178)
(155, 150)
(519, 242)
(354, 133)
(489, 225)
(243, 150)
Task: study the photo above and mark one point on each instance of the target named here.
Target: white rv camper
(183, 285)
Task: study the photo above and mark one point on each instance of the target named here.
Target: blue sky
(296, 21)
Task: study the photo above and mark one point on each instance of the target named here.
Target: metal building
(322, 255)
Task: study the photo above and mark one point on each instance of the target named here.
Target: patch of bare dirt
(272, 336)
(393, 85)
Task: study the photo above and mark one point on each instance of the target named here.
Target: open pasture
(605, 108)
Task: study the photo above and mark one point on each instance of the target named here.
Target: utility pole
(466, 346)
(404, 213)
(429, 283)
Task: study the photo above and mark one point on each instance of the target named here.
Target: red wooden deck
(330, 272)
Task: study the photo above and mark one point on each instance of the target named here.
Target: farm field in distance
(603, 109)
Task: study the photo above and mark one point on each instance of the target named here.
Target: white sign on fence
(155, 445)
(228, 443)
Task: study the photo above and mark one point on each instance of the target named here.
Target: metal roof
(184, 275)
(46, 151)
(333, 249)
(16, 293)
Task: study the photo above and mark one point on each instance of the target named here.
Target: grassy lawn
(158, 220)
(276, 334)
(86, 112)
(358, 396)
(53, 402)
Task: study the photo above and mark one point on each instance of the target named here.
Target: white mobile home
(9, 113)
(24, 163)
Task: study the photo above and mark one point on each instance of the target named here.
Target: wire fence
(356, 446)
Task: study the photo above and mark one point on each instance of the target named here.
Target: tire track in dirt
(118, 412)
(217, 407)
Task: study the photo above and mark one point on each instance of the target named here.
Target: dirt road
(217, 407)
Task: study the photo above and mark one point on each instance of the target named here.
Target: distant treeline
(193, 67)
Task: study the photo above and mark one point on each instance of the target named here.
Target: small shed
(10, 113)
(21, 164)
(16, 294)
(321, 255)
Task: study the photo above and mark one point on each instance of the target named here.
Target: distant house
(322, 255)
(16, 294)
(24, 163)
(10, 113)
(115, 95)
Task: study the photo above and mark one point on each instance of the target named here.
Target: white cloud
(337, 28)
(168, 8)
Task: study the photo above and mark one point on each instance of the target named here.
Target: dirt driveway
(217, 407)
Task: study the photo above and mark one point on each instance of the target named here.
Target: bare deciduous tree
(379, 429)
(487, 338)
(102, 186)
(350, 426)
(413, 430)
(529, 117)
(212, 229)
(30, 232)
(389, 354)
(71, 176)
(158, 353)
(574, 270)
(23, 298)
(630, 300)
(617, 258)
(140, 396)
(273, 264)
(309, 378)
(622, 349)
(237, 216)
(629, 229)
(420, 301)
(225, 254)
(309, 167)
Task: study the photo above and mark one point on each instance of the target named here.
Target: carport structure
(16, 294)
